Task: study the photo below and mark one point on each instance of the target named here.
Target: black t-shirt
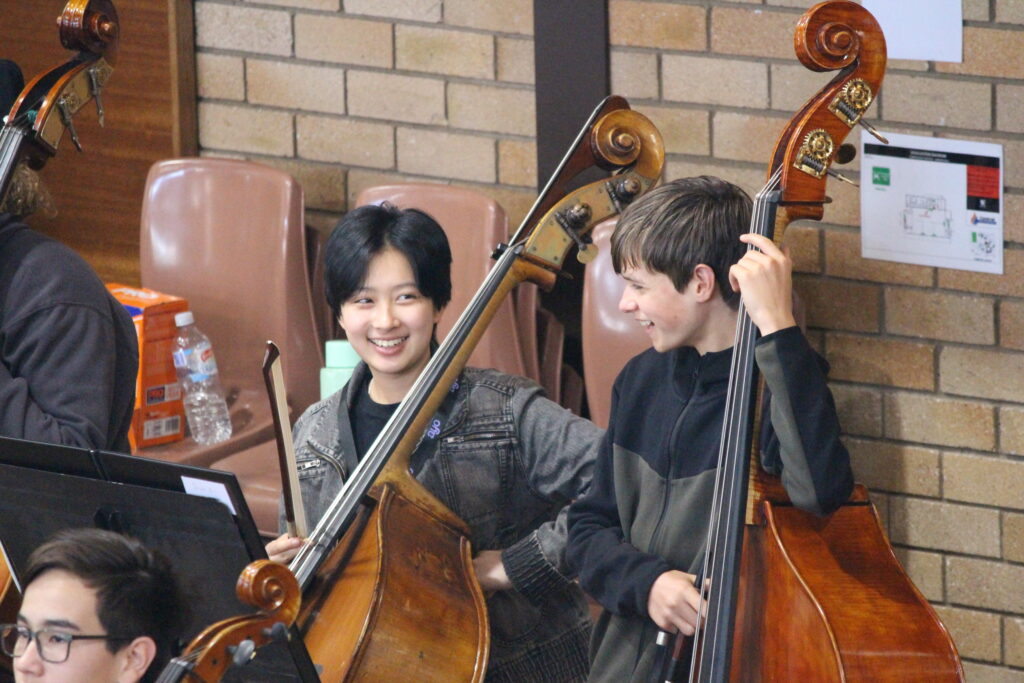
(368, 417)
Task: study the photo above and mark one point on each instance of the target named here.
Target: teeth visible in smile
(645, 323)
(387, 343)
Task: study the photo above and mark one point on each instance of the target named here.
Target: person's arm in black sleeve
(804, 432)
(613, 572)
(57, 379)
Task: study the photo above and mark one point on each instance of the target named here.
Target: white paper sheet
(932, 202)
(931, 30)
(208, 489)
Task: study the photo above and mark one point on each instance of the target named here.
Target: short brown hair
(682, 224)
(137, 593)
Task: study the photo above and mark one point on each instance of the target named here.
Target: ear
(703, 282)
(135, 659)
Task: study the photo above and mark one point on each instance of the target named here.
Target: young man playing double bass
(638, 537)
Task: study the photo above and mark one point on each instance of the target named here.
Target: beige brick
(414, 10)
(1010, 108)
(1011, 430)
(873, 360)
(898, 468)
(340, 39)
(940, 421)
(859, 409)
(745, 137)
(938, 102)
(982, 373)
(1009, 12)
(395, 97)
(939, 315)
(229, 27)
(938, 525)
(326, 5)
(1013, 640)
(515, 60)
(839, 304)
(804, 245)
(515, 202)
(1011, 324)
(985, 53)
(322, 221)
(843, 259)
(845, 206)
(976, 634)
(444, 51)
(802, 4)
(905, 65)
(507, 16)
(297, 86)
(1010, 283)
(1013, 538)
(703, 80)
(1013, 217)
(492, 108)
(517, 163)
(634, 75)
(344, 141)
(1013, 157)
(657, 24)
(684, 131)
(749, 179)
(244, 129)
(446, 155)
(323, 185)
(925, 570)
(985, 583)
(794, 84)
(220, 77)
(983, 673)
(754, 32)
(983, 479)
(977, 10)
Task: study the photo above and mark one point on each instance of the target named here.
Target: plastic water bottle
(341, 359)
(205, 408)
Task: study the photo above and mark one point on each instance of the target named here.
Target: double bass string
(730, 485)
(343, 509)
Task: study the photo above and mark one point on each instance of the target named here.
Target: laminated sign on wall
(932, 202)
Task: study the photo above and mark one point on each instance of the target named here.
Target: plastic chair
(229, 236)
(610, 337)
(475, 224)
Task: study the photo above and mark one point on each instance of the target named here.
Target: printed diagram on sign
(926, 216)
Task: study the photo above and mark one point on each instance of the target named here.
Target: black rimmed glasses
(53, 645)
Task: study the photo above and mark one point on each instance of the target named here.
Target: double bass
(396, 595)
(794, 597)
(37, 121)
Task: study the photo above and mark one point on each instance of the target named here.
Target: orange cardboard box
(159, 414)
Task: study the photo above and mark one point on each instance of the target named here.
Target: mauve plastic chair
(230, 237)
(475, 224)
(610, 337)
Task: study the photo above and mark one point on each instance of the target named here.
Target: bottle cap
(338, 353)
(184, 318)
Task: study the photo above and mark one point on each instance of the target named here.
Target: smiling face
(62, 602)
(670, 318)
(390, 324)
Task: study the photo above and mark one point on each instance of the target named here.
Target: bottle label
(199, 361)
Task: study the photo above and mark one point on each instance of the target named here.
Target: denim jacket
(508, 462)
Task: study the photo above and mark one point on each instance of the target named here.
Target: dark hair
(366, 231)
(682, 224)
(137, 593)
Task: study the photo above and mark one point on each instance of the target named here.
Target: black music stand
(209, 540)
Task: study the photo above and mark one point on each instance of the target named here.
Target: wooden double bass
(795, 597)
(36, 123)
(396, 597)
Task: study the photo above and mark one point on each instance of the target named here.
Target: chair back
(610, 337)
(475, 224)
(230, 237)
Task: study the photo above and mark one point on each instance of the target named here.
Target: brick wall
(927, 363)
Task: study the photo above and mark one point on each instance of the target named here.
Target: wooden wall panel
(150, 115)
